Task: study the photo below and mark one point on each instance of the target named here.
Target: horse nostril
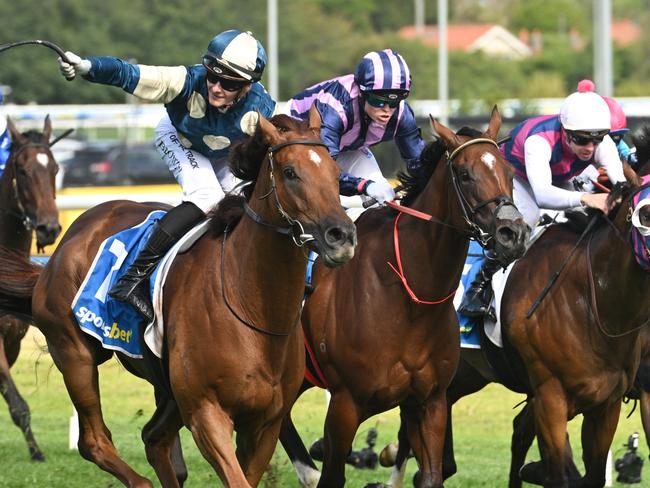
(334, 236)
(506, 236)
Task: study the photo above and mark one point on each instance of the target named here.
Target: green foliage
(317, 39)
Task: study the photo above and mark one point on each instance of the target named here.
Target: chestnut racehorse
(578, 353)
(233, 345)
(27, 204)
(383, 328)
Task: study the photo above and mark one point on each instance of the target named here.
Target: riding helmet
(383, 71)
(585, 110)
(238, 52)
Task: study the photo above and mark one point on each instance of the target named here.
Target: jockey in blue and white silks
(5, 140)
(363, 109)
(209, 107)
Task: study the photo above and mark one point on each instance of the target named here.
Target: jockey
(5, 140)
(547, 152)
(618, 131)
(209, 107)
(360, 110)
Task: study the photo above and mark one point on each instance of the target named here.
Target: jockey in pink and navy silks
(548, 151)
(363, 109)
(209, 107)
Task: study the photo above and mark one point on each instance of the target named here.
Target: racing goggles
(380, 100)
(215, 73)
(582, 138)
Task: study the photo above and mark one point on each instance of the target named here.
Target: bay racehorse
(383, 329)
(233, 345)
(579, 351)
(27, 205)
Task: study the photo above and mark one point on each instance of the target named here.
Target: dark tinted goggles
(213, 70)
(584, 138)
(380, 101)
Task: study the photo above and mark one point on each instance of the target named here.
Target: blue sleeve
(5, 148)
(349, 185)
(408, 139)
(624, 150)
(331, 128)
(113, 71)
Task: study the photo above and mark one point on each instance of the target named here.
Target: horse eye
(289, 173)
(464, 175)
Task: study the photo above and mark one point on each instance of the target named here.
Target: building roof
(489, 38)
(625, 32)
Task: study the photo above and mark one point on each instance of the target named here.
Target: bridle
(28, 222)
(469, 211)
(295, 229)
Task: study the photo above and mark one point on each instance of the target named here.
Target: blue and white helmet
(239, 52)
(383, 71)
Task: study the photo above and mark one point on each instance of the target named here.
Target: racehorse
(382, 329)
(233, 347)
(27, 204)
(577, 353)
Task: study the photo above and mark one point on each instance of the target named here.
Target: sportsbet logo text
(110, 331)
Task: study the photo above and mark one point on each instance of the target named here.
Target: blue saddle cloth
(115, 324)
(469, 336)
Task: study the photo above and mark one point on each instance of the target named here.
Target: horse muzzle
(46, 234)
(510, 234)
(335, 242)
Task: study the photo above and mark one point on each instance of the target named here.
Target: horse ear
(450, 139)
(47, 130)
(630, 175)
(270, 133)
(495, 124)
(16, 136)
(315, 119)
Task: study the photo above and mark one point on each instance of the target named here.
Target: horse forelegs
(162, 443)
(18, 408)
(341, 424)
(550, 412)
(644, 397)
(426, 428)
(255, 448)
(76, 362)
(523, 434)
(307, 472)
(598, 428)
(212, 430)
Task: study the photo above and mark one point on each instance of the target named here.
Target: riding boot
(477, 298)
(166, 232)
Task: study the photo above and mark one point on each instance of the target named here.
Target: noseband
(295, 229)
(25, 219)
(469, 212)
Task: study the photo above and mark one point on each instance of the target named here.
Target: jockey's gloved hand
(76, 66)
(380, 191)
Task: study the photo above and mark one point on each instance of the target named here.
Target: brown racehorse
(233, 345)
(379, 348)
(578, 353)
(27, 204)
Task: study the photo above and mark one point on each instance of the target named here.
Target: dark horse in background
(233, 345)
(383, 328)
(27, 205)
(579, 351)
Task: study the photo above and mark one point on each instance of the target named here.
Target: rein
(476, 232)
(295, 229)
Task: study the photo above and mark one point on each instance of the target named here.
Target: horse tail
(18, 276)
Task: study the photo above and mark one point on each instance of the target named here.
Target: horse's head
(298, 186)
(30, 179)
(482, 180)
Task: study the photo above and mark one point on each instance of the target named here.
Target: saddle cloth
(116, 324)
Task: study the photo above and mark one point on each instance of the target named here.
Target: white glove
(380, 191)
(76, 66)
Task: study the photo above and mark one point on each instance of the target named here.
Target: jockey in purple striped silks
(547, 152)
(5, 139)
(363, 109)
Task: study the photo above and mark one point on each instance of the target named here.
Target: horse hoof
(376, 485)
(532, 472)
(388, 455)
(37, 456)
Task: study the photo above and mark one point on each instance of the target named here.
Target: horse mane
(245, 160)
(414, 180)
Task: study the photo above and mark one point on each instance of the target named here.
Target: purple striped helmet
(383, 70)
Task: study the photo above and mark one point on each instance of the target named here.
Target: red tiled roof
(625, 32)
(459, 36)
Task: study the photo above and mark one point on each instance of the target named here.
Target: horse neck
(446, 247)
(621, 286)
(271, 270)
(13, 233)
